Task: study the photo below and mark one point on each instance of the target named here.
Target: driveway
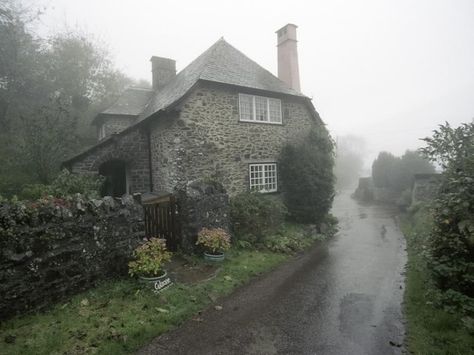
(341, 297)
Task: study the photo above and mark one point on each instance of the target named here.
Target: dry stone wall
(53, 248)
(201, 205)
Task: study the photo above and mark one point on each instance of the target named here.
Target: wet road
(342, 297)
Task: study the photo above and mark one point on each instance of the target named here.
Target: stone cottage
(222, 117)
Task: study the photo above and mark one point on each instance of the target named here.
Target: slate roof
(221, 63)
(131, 102)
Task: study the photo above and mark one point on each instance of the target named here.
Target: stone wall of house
(201, 205)
(208, 140)
(53, 248)
(131, 148)
(116, 124)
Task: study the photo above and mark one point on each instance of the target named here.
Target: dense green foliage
(50, 90)
(254, 214)
(49, 137)
(292, 238)
(396, 173)
(214, 240)
(431, 329)
(258, 222)
(451, 245)
(65, 184)
(306, 175)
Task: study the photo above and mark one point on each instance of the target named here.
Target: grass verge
(120, 316)
(431, 330)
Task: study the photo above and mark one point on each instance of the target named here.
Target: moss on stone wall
(55, 247)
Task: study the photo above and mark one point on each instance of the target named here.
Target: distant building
(222, 117)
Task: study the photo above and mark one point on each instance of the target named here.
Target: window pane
(275, 110)
(261, 108)
(263, 177)
(246, 107)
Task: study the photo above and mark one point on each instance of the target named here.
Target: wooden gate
(161, 220)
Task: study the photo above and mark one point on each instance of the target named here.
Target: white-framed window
(254, 108)
(263, 177)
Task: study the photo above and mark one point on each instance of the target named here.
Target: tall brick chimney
(288, 70)
(163, 70)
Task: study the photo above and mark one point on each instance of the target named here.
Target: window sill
(264, 191)
(263, 122)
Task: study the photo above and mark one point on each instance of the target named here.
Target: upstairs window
(254, 108)
(263, 177)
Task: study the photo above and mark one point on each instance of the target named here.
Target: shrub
(291, 238)
(214, 240)
(329, 225)
(149, 258)
(404, 201)
(253, 214)
(65, 184)
(451, 241)
(306, 175)
(286, 240)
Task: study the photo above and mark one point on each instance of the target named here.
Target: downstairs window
(263, 177)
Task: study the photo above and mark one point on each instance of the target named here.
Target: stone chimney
(288, 70)
(163, 70)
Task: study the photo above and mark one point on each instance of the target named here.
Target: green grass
(120, 316)
(431, 330)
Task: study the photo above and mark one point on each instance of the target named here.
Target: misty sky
(389, 71)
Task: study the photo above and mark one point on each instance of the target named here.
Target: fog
(387, 71)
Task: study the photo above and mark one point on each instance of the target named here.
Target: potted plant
(215, 242)
(148, 261)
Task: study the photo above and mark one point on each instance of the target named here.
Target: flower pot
(157, 282)
(163, 275)
(214, 257)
